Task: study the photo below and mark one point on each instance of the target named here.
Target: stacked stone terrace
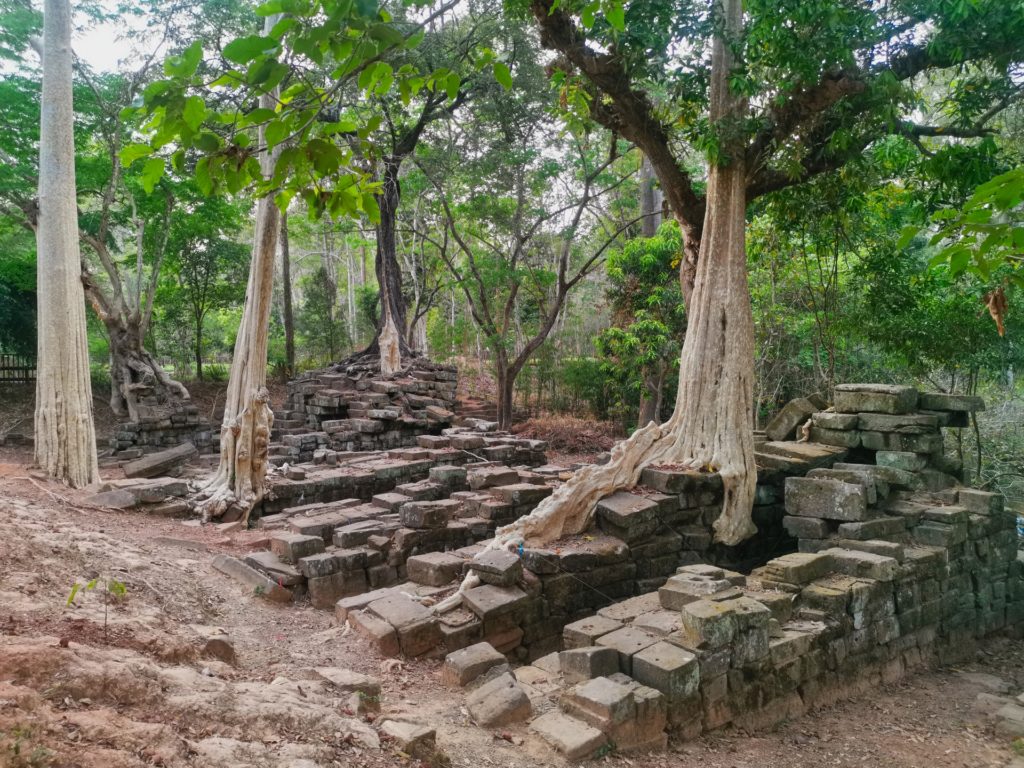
(354, 408)
(633, 631)
(159, 427)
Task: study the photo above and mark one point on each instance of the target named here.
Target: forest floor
(121, 682)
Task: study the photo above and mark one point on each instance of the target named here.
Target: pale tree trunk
(65, 439)
(240, 481)
(712, 426)
(286, 279)
(650, 200)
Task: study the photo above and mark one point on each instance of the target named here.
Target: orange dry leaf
(997, 305)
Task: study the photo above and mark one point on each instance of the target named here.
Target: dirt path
(140, 692)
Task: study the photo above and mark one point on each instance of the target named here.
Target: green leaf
(194, 112)
(186, 63)
(451, 85)
(151, 173)
(133, 152)
(386, 34)
(269, 8)
(275, 132)
(207, 142)
(245, 49)
(74, 592)
(203, 179)
(907, 235)
(370, 207)
(616, 15)
(503, 75)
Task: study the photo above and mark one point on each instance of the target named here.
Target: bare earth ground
(139, 693)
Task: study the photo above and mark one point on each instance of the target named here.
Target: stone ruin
(871, 560)
(161, 427)
(351, 407)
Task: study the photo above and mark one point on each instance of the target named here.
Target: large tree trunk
(286, 278)
(65, 439)
(136, 374)
(712, 426)
(245, 432)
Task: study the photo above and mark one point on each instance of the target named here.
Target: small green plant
(15, 750)
(114, 590)
(1018, 746)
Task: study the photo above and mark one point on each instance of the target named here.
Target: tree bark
(65, 439)
(390, 332)
(650, 200)
(240, 481)
(286, 278)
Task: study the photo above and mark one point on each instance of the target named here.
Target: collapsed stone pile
(354, 408)
(160, 427)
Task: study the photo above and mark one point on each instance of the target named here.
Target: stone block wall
(354, 408)
(164, 430)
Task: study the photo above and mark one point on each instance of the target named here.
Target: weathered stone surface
(325, 591)
(417, 627)
(707, 624)
(115, 499)
(866, 564)
(436, 569)
(498, 702)
(291, 547)
(795, 568)
(905, 460)
(497, 566)
(586, 663)
(412, 738)
(347, 681)
(878, 528)
(894, 441)
(429, 514)
(874, 398)
(793, 414)
(835, 421)
(326, 563)
(260, 584)
(521, 493)
(466, 665)
(381, 635)
(489, 477)
(805, 527)
(667, 668)
(601, 702)
(627, 642)
(981, 502)
(570, 736)
(489, 601)
(583, 633)
(938, 401)
(839, 437)
(161, 462)
(283, 573)
(825, 498)
(687, 587)
(906, 424)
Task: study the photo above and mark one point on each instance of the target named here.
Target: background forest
(530, 253)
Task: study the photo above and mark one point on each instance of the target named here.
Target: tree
(648, 317)
(65, 440)
(207, 266)
(825, 84)
(286, 284)
(515, 255)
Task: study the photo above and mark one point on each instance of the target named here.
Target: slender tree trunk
(199, 347)
(350, 296)
(65, 439)
(650, 200)
(245, 432)
(286, 278)
(506, 376)
(390, 332)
